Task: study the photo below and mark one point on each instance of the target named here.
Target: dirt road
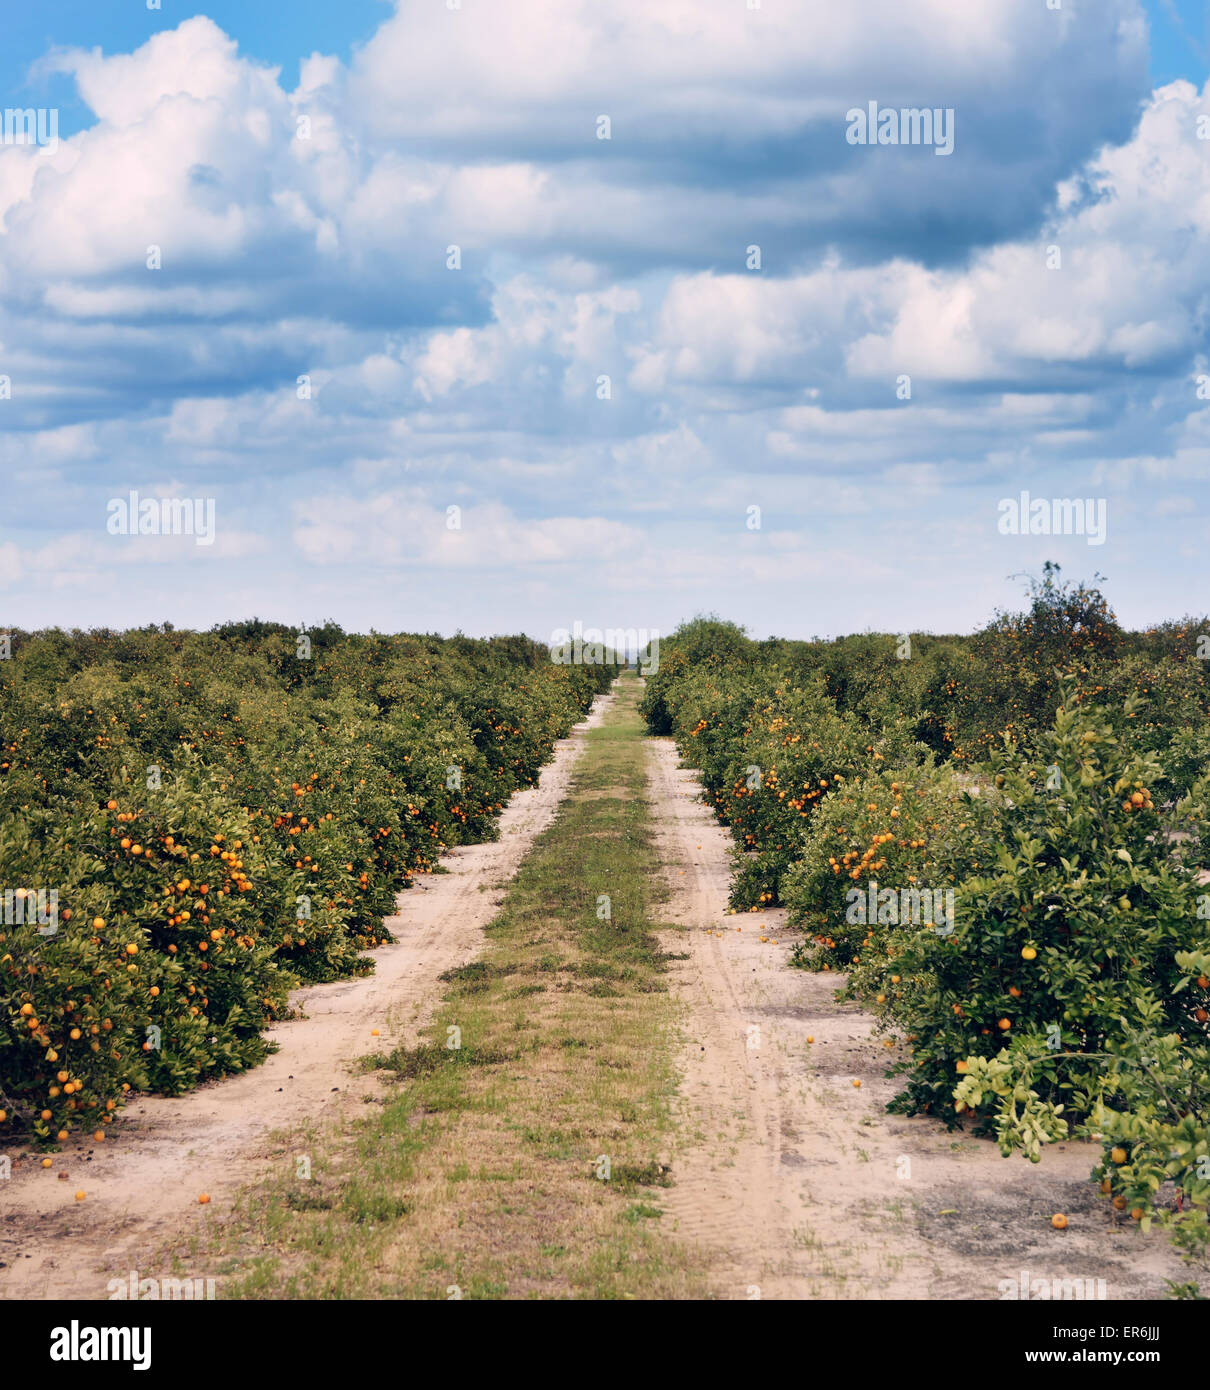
(142, 1186)
(793, 1182)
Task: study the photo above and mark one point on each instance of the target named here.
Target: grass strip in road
(527, 1161)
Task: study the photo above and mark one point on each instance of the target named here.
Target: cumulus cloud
(604, 386)
(702, 96)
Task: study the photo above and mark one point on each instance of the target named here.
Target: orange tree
(1006, 679)
(794, 751)
(1149, 1109)
(880, 861)
(155, 971)
(1170, 716)
(1064, 947)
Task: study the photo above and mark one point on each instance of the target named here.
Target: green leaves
(302, 795)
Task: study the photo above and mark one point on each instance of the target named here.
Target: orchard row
(194, 823)
(1000, 840)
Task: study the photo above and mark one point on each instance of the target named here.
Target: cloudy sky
(339, 269)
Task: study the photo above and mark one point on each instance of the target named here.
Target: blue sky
(729, 358)
(1180, 39)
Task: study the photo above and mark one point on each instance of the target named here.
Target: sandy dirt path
(142, 1188)
(793, 1182)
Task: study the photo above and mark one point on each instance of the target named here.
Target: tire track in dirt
(142, 1188)
(792, 1181)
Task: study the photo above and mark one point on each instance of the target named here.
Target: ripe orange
(80, 1195)
(203, 1199)
(1059, 1221)
(1117, 1155)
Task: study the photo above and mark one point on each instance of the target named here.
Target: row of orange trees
(1000, 840)
(193, 823)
